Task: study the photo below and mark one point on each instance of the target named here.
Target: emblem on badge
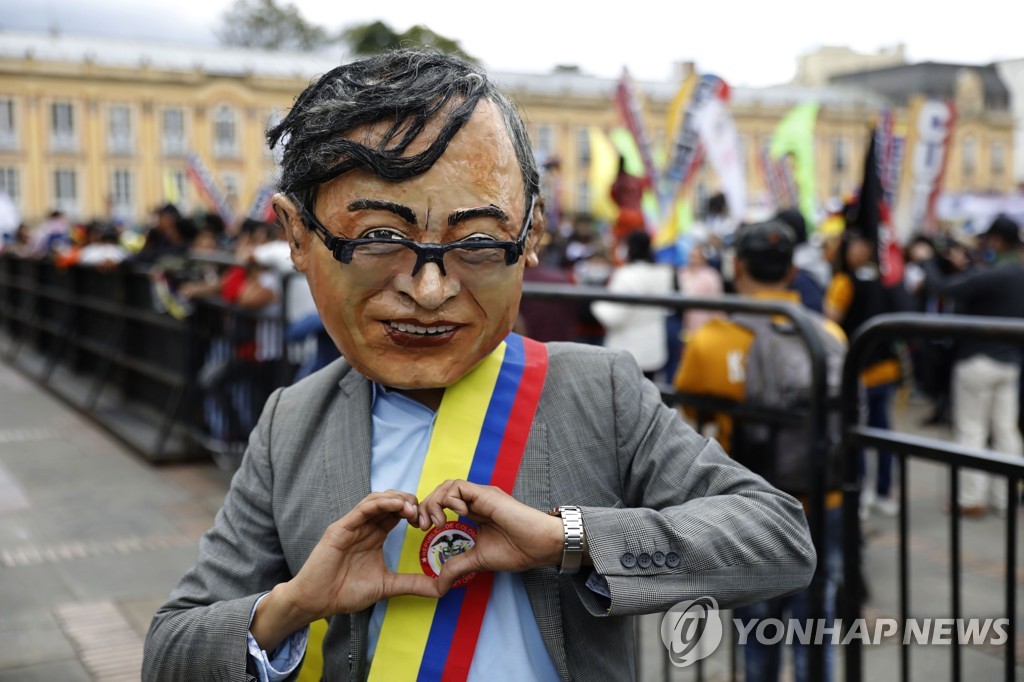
(441, 544)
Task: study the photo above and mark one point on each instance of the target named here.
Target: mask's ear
(537, 232)
(295, 230)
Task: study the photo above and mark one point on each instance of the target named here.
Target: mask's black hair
(405, 88)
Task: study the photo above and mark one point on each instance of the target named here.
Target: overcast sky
(747, 43)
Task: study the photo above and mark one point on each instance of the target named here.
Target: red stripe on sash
(467, 630)
(523, 410)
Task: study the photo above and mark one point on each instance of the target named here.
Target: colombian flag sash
(479, 435)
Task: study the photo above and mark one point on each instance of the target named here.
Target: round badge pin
(441, 544)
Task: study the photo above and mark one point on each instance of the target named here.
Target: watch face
(441, 544)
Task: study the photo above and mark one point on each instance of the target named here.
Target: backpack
(778, 379)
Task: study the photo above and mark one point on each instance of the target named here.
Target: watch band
(572, 547)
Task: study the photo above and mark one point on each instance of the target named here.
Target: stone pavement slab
(69, 670)
(85, 521)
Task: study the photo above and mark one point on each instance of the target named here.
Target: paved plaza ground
(92, 538)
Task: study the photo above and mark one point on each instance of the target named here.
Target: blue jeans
(879, 401)
(762, 662)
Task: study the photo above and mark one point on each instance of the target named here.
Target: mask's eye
(382, 233)
(478, 237)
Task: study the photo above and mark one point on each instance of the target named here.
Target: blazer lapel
(533, 488)
(346, 449)
(347, 443)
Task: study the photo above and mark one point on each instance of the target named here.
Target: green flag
(794, 136)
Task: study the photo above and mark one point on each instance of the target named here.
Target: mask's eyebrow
(403, 212)
(489, 211)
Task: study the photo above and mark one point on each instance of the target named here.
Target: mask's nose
(429, 287)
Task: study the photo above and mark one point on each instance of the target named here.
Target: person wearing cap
(714, 355)
(986, 374)
(404, 493)
(714, 364)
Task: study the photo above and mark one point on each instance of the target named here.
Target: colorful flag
(687, 150)
(717, 133)
(794, 138)
(889, 152)
(604, 165)
(207, 187)
(261, 208)
(929, 129)
(778, 179)
(631, 113)
(872, 217)
(171, 193)
(677, 109)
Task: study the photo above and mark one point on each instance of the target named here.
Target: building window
(8, 132)
(65, 191)
(62, 127)
(119, 131)
(970, 154)
(121, 192)
(545, 142)
(173, 133)
(998, 158)
(583, 146)
(583, 197)
(9, 183)
(224, 132)
(840, 154)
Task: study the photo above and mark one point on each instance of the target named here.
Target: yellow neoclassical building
(104, 127)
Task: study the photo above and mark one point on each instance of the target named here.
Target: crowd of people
(254, 315)
(835, 275)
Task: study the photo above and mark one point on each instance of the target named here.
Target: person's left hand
(510, 535)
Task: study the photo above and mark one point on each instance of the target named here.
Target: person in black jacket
(987, 373)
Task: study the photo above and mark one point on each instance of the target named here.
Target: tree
(267, 25)
(377, 37)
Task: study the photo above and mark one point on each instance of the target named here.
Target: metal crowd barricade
(95, 339)
(817, 416)
(903, 446)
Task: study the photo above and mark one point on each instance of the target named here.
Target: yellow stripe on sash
(407, 620)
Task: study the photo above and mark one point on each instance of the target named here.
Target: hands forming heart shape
(346, 571)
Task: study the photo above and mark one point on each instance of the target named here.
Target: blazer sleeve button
(659, 559)
(628, 560)
(672, 560)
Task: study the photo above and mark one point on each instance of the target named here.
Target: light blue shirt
(510, 644)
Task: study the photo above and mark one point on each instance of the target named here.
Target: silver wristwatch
(572, 547)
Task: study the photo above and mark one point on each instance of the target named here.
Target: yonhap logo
(691, 630)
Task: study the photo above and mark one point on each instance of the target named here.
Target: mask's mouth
(433, 330)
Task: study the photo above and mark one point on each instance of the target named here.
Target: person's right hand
(345, 572)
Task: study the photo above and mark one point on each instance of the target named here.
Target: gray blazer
(648, 485)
